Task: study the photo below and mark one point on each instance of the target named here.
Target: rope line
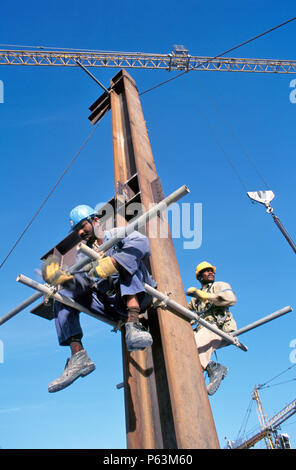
(260, 386)
(242, 430)
(279, 383)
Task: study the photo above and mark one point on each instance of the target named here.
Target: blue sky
(44, 121)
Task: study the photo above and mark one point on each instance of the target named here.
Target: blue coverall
(106, 296)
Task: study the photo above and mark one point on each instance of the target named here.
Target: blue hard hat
(80, 213)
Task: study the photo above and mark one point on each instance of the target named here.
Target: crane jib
(145, 61)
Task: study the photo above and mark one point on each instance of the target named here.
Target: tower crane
(268, 426)
(179, 59)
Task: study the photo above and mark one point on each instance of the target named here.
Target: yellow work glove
(102, 267)
(52, 272)
(192, 291)
(198, 293)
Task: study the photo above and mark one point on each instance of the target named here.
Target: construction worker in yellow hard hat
(202, 266)
(212, 303)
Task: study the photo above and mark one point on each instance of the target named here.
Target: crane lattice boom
(271, 425)
(177, 60)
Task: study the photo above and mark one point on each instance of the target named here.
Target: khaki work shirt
(216, 309)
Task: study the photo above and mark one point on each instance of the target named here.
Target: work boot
(216, 373)
(136, 336)
(79, 365)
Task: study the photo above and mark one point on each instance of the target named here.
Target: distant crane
(268, 427)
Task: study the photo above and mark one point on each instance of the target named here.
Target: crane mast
(263, 420)
(179, 60)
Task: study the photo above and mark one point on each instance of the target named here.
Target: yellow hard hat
(203, 265)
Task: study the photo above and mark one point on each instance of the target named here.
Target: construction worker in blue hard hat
(212, 303)
(80, 213)
(111, 286)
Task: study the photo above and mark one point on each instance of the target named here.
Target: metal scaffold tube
(262, 321)
(20, 307)
(176, 307)
(168, 302)
(52, 292)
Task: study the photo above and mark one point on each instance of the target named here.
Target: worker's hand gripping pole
(174, 306)
(135, 225)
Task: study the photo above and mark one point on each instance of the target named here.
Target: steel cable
(221, 54)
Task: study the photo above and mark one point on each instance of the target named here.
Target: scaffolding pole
(262, 321)
(175, 306)
(52, 292)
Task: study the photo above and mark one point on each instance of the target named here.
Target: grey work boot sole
(213, 387)
(137, 338)
(69, 376)
(140, 344)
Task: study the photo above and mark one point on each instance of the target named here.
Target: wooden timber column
(166, 400)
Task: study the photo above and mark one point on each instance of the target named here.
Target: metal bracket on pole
(162, 303)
